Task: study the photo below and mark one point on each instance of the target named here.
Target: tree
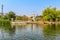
(38, 18)
(11, 15)
(18, 17)
(25, 18)
(58, 15)
(49, 14)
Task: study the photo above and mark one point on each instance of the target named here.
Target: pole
(2, 9)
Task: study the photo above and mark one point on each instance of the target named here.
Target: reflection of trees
(51, 31)
(32, 27)
(35, 27)
(9, 29)
(21, 27)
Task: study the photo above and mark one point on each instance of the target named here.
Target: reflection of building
(32, 27)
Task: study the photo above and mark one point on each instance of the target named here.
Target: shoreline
(47, 22)
(36, 22)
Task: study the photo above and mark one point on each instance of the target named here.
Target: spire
(33, 16)
(2, 9)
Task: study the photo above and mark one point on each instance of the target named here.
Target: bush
(4, 22)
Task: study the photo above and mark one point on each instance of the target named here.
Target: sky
(26, 7)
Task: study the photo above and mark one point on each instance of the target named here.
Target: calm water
(30, 32)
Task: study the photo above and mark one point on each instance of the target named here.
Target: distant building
(33, 16)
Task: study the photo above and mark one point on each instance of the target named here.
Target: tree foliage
(11, 15)
(25, 18)
(38, 18)
(51, 14)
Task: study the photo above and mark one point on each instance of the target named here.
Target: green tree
(25, 18)
(49, 14)
(18, 17)
(38, 18)
(11, 15)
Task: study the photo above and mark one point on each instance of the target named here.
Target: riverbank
(36, 22)
(40, 23)
(47, 22)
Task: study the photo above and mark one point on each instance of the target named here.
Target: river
(30, 32)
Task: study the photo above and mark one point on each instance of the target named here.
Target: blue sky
(25, 7)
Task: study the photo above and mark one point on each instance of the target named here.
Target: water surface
(30, 32)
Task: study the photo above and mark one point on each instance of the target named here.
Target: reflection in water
(30, 32)
(7, 31)
(51, 32)
(32, 27)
